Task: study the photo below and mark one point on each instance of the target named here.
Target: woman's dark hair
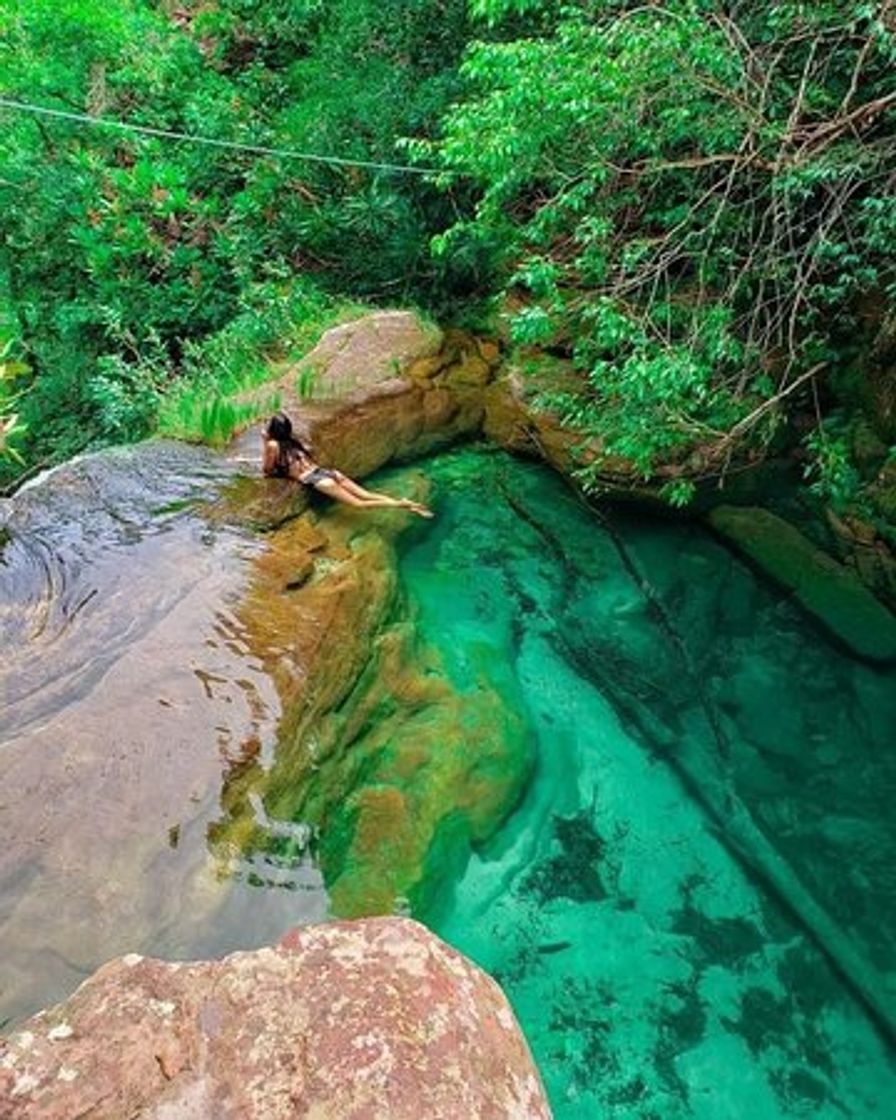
(279, 428)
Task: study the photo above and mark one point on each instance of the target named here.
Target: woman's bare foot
(416, 507)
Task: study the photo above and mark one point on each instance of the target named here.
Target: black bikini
(315, 475)
(310, 476)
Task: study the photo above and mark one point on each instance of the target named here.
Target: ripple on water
(129, 692)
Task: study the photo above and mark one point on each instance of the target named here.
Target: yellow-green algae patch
(396, 770)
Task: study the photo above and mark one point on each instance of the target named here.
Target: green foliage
(11, 428)
(125, 396)
(686, 199)
(678, 492)
(691, 202)
(124, 255)
(831, 469)
(221, 385)
(305, 382)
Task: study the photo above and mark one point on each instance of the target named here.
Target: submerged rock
(370, 1019)
(831, 593)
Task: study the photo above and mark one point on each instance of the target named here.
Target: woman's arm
(269, 455)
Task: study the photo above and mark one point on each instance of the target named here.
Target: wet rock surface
(370, 1020)
(129, 692)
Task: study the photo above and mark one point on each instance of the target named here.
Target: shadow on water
(129, 695)
(703, 754)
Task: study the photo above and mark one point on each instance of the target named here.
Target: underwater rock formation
(833, 594)
(376, 1018)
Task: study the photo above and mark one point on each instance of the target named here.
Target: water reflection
(129, 693)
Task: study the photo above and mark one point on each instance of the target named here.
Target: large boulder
(387, 386)
(368, 1020)
(365, 352)
(516, 418)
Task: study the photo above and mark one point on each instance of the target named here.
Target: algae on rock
(379, 755)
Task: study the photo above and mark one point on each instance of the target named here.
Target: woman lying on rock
(285, 457)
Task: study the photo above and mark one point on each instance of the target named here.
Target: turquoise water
(672, 697)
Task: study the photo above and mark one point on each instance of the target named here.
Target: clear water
(129, 691)
(655, 973)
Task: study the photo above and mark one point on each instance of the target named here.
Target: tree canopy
(123, 253)
(694, 200)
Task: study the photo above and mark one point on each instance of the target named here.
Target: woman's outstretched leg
(356, 488)
(361, 492)
(370, 500)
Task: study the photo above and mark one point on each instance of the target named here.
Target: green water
(653, 971)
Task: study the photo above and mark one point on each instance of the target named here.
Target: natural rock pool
(692, 907)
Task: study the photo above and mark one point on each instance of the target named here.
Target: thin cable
(231, 145)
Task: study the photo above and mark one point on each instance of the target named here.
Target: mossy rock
(882, 493)
(395, 769)
(436, 771)
(262, 504)
(833, 594)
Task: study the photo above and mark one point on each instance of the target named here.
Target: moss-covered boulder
(833, 594)
(390, 770)
(431, 772)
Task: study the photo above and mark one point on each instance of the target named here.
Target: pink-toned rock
(369, 1020)
(367, 351)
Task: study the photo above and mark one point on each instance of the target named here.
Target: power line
(232, 145)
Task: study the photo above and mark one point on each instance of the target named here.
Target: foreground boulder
(369, 1020)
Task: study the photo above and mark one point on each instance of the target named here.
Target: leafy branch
(684, 205)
